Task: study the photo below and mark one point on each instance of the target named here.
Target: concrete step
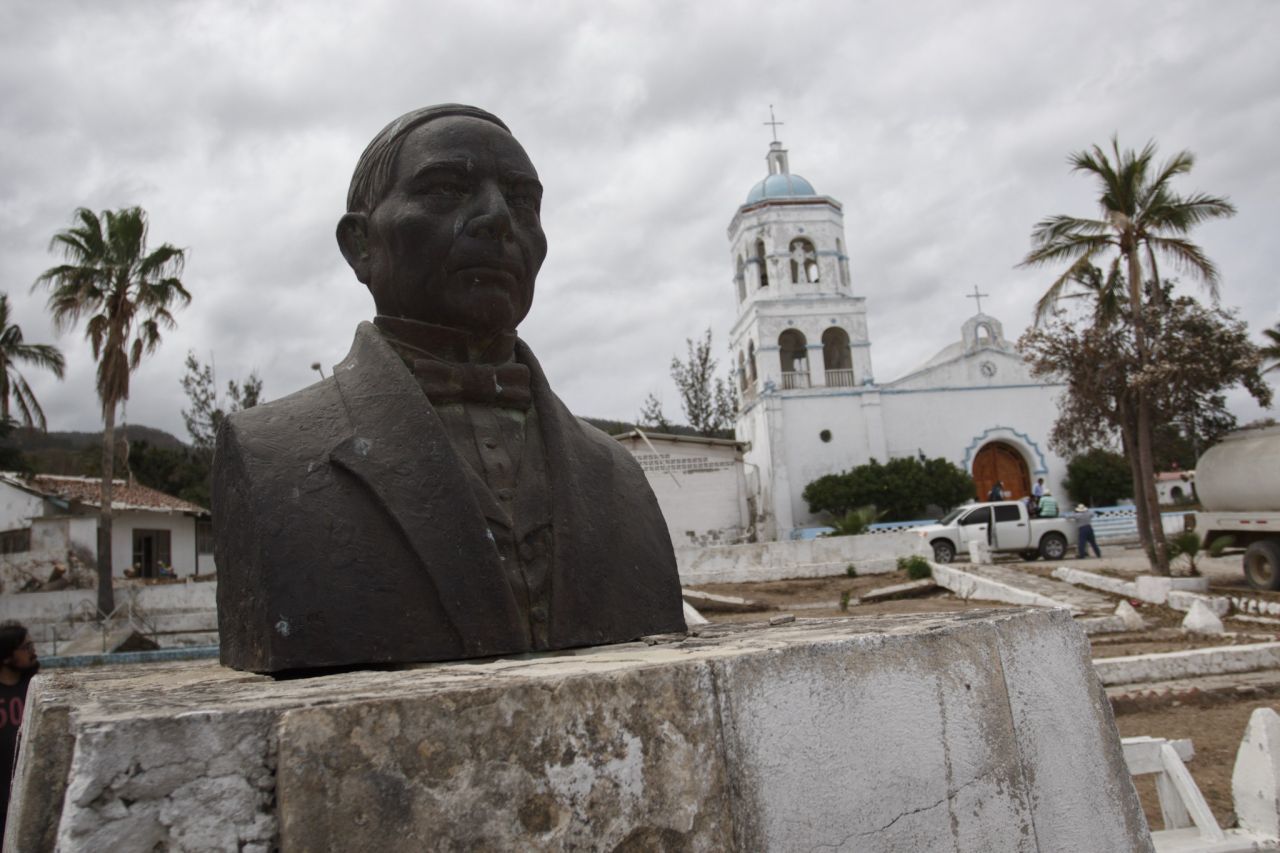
(1084, 600)
(1192, 663)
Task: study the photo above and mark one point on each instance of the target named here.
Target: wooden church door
(1000, 462)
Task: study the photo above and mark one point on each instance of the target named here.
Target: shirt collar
(446, 343)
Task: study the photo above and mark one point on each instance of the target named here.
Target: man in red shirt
(18, 663)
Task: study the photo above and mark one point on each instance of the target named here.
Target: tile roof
(87, 490)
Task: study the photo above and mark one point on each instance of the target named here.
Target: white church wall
(808, 456)
(987, 368)
(955, 423)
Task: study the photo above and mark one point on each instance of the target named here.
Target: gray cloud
(943, 130)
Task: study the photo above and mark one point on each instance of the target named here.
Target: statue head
(443, 221)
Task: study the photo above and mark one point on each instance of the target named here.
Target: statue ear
(353, 240)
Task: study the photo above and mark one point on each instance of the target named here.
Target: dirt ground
(1214, 730)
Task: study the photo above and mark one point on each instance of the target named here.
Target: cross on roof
(773, 123)
(977, 297)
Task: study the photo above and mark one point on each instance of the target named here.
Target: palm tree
(1141, 219)
(1271, 349)
(125, 292)
(13, 386)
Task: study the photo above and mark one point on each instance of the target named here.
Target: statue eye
(444, 184)
(523, 199)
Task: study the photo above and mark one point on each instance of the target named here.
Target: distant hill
(28, 440)
(77, 453)
(619, 427)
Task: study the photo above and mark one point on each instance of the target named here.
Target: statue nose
(492, 219)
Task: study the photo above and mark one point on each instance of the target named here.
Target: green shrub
(916, 567)
(1098, 478)
(855, 521)
(844, 601)
(851, 571)
(902, 488)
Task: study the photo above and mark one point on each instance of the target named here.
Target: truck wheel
(943, 551)
(1262, 564)
(1053, 546)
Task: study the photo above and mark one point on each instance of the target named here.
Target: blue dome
(782, 185)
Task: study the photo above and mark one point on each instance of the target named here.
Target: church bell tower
(799, 346)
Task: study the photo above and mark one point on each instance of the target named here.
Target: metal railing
(794, 379)
(842, 378)
(85, 612)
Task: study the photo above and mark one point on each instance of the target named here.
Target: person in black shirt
(18, 663)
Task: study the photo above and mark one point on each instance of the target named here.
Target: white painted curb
(1168, 666)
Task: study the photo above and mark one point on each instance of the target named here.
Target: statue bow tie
(449, 382)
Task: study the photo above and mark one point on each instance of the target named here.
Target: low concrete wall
(1078, 577)
(967, 585)
(1167, 666)
(976, 731)
(54, 606)
(767, 561)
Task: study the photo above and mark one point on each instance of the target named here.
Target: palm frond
(1190, 258)
(28, 406)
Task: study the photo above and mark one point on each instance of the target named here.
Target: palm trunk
(106, 595)
(1128, 433)
(1145, 485)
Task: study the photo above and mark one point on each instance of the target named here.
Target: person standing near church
(1084, 526)
(997, 491)
(18, 663)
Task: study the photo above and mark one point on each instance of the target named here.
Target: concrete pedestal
(977, 731)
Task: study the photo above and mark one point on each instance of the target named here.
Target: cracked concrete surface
(973, 731)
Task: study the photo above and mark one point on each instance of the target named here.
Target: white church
(810, 402)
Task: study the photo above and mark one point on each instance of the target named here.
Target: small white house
(701, 486)
(1175, 487)
(46, 518)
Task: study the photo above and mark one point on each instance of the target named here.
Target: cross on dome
(977, 297)
(773, 123)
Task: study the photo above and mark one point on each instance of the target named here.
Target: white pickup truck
(1011, 530)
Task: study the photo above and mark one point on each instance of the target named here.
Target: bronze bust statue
(433, 499)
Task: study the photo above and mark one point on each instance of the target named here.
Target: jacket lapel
(398, 449)
(577, 471)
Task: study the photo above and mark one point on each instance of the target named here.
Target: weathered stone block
(974, 731)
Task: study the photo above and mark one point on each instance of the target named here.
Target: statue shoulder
(289, 423)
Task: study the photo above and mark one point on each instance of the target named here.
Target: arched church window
(762, 263)
(794, 352)
(742, 371)
(751, 362)
(741, 279)
(804, 261)
(837, 359)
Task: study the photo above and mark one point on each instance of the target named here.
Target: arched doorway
(1000, 462)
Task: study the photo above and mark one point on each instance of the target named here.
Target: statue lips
(506, 271)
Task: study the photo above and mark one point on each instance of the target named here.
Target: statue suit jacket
(347, 531)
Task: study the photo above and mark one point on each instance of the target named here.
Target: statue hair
(373, 174)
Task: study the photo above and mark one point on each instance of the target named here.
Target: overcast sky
(943, 128)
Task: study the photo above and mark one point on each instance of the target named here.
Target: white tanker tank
(1242, 472)
(1238, 483)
